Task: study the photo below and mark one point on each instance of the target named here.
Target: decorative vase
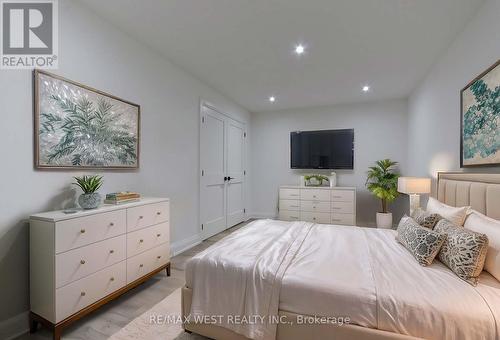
(302, 181)
(89, 201)
(384, 220)
(333, 179)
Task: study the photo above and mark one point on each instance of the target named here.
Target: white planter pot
(384, 220)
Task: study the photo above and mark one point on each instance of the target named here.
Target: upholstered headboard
(480, 191)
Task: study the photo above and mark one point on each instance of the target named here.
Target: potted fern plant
(382, 182)
(90, 199)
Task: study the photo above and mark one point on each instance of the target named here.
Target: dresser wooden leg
(33, 324)
(168, 269)
(57, 333)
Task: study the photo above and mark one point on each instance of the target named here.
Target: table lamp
(414, 186)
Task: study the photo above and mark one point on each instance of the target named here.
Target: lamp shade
(414, 185)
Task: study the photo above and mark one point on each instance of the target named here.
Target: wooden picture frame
(489, 80)
(77, 127)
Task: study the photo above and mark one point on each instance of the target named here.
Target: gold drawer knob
(141, 240)
(158, 235)
(158, 213)
(82, 294)
(141, 265)
(112, 279)
(82, 261)
(158, 257)
(82, 231)
(111, 251)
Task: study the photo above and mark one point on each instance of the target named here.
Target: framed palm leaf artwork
(78, 127)
(480, 120)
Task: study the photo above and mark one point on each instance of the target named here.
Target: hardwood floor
(110, 318)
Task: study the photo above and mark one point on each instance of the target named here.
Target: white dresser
(318, 204)
(81, 261)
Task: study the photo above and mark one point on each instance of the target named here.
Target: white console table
(324, 205)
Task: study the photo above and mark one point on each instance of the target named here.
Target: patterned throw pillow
(463, 251)
(423, 243)
(425, 219)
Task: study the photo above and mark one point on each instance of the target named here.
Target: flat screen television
(323, 149)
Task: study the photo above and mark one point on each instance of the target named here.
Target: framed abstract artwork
(78, 127)
(480, 120)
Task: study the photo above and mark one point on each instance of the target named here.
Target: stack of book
(122, 197)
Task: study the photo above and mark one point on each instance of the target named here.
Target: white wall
(96, 54)
(380, 131)
(434, 108)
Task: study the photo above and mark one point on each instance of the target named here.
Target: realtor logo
(29, 34)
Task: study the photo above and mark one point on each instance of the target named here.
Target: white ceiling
(243, 48)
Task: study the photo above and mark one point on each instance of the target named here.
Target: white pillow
(455, 215)
(483, 224)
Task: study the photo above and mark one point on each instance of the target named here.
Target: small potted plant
(382, 182)
(90, 199)
(315, 180)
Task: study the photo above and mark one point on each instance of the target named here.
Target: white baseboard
(185, 244)
(14, 327)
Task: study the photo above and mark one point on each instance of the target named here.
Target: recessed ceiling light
(300, 49)
(366, 88)
(272, 99)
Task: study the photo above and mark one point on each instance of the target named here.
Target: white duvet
(336, 271)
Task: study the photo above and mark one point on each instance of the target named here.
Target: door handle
(230, 178)
(225, 178)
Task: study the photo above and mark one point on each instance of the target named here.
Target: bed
(337, 282)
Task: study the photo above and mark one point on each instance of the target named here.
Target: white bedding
(360, 273)
(241, 276)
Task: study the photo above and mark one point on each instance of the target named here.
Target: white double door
(222, 165)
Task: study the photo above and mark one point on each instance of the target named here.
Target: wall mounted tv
(323, 149)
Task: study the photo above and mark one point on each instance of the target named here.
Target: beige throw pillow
(455, 215)
(483, 224)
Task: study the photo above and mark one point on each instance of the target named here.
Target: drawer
(73, 297)
(315, 195)
(289, 205)
(289, 194)
(144, 263)
(323, 218)
(78, 232)
(147, 215)
(147, 238)
(77, 263)
(343, 219)
(342, 207)
(287, 215)
(315, 206)
(343, 195)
